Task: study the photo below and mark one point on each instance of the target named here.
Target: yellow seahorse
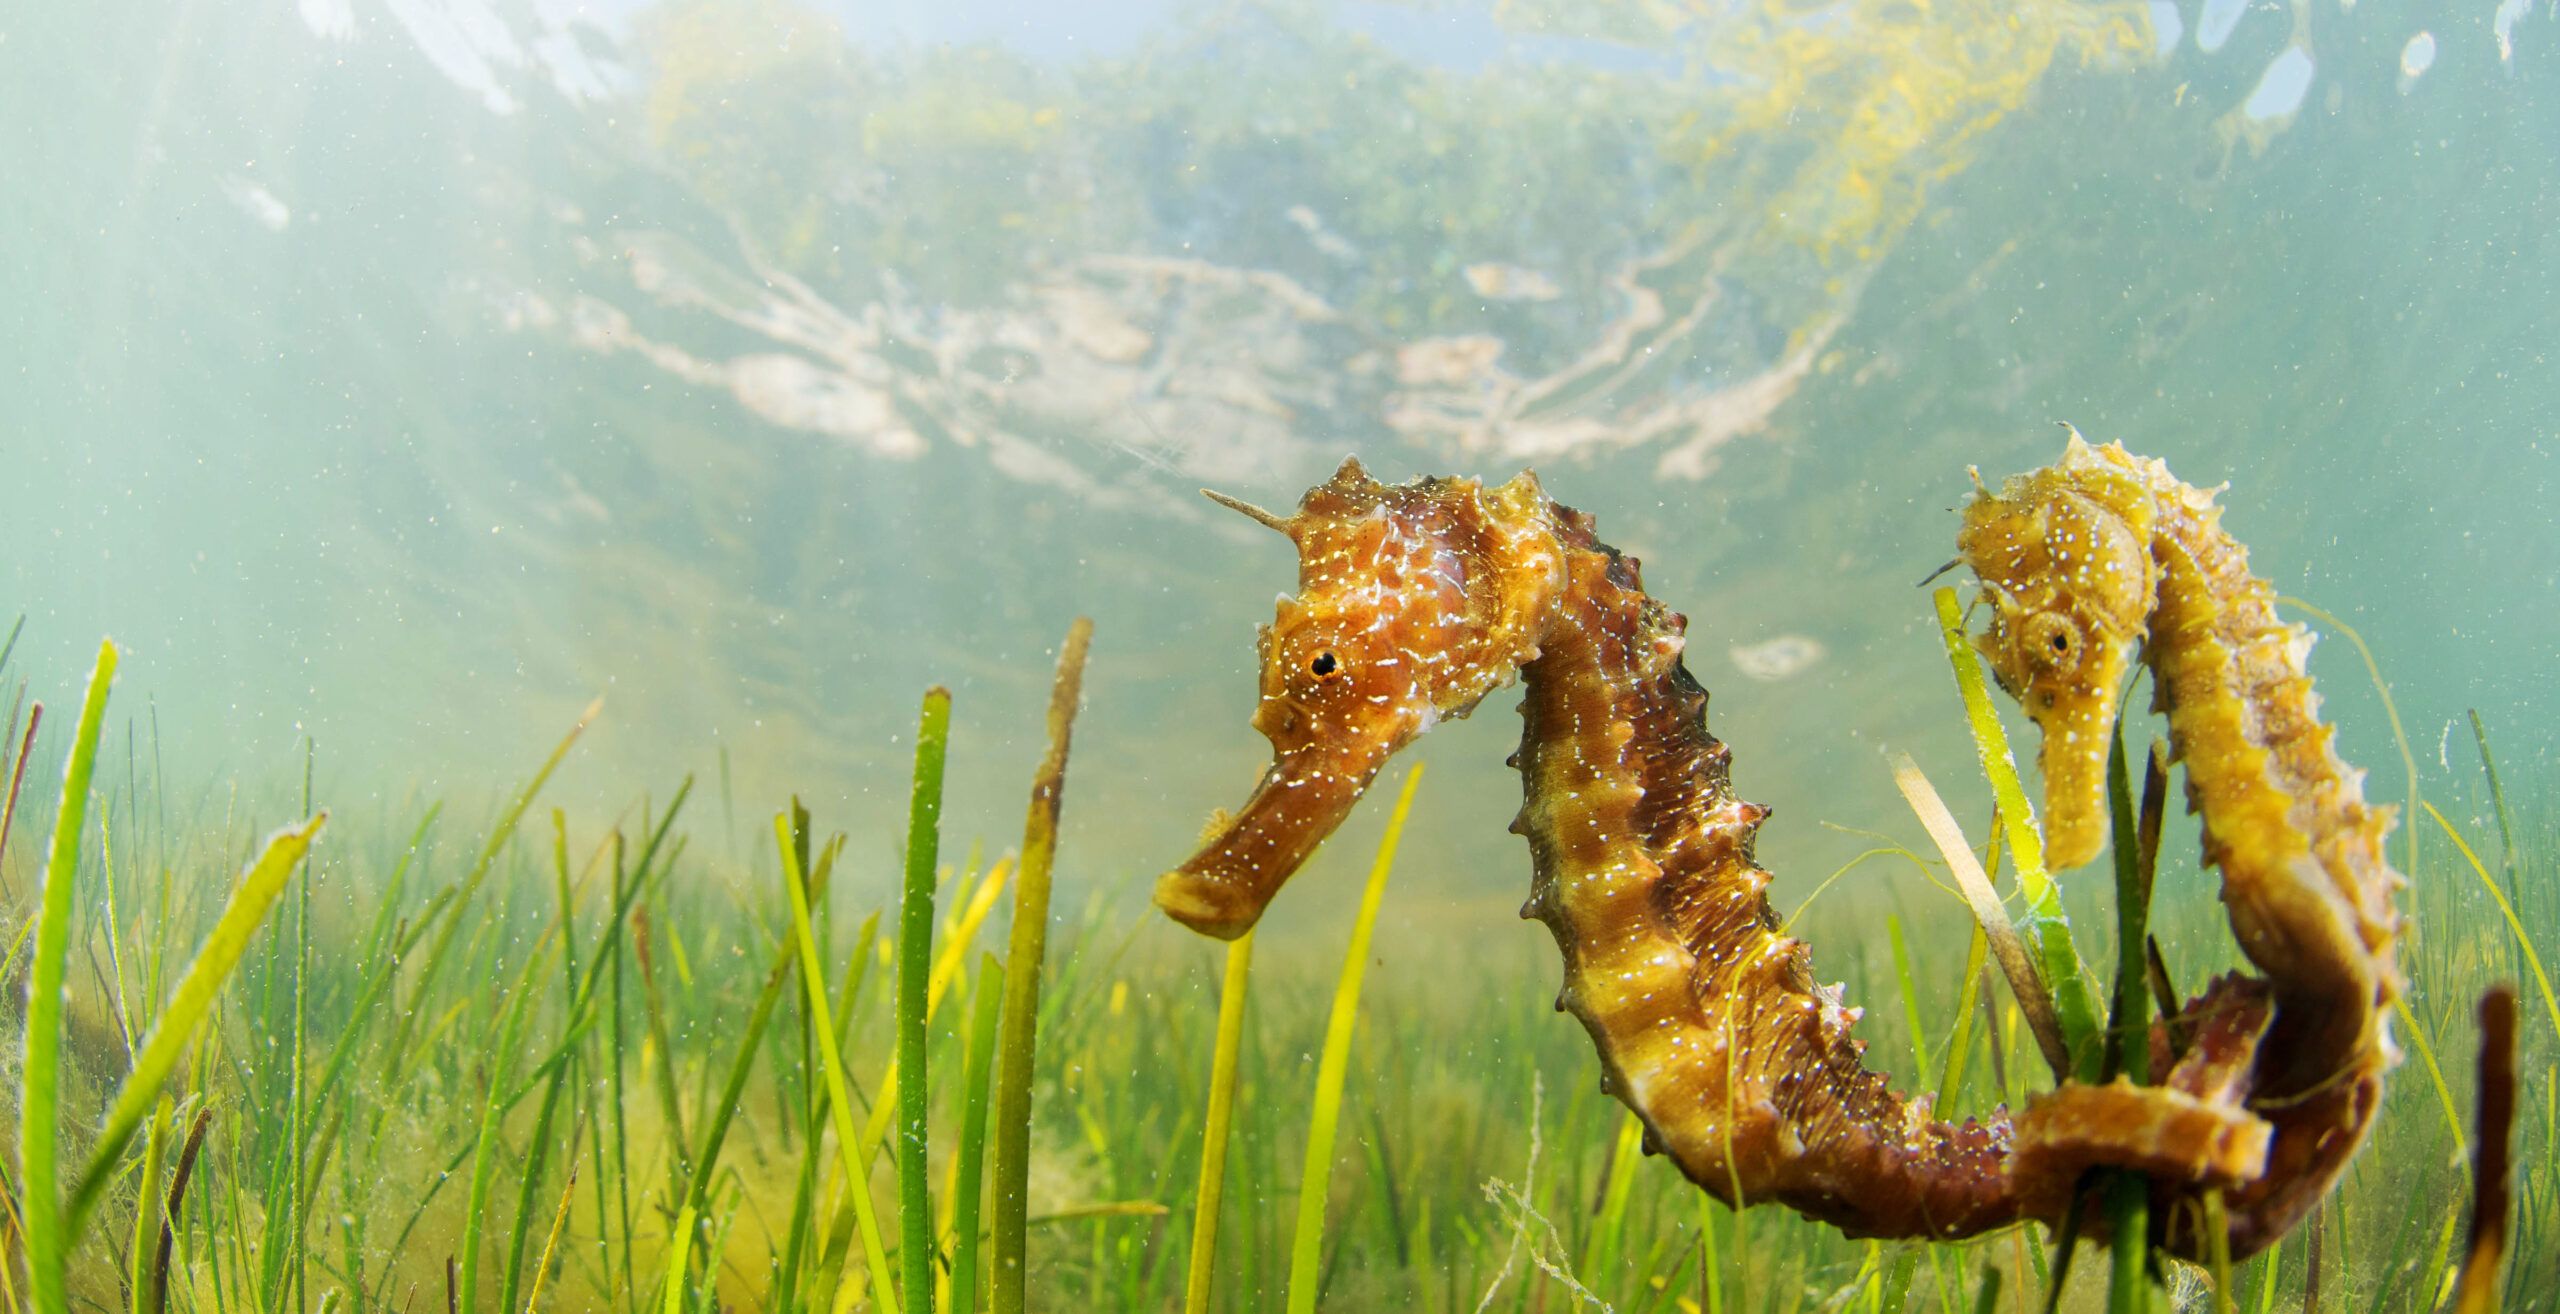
(2103, 558)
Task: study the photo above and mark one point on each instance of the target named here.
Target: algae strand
(2046, 927)
(48, 1238)
(2478, 1289)
(1221, 1115)
(1333, 1066)
(915, 974)
(1021, 1008)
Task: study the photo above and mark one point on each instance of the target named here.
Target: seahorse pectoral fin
(1305, 794)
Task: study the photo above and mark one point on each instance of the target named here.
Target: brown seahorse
(1417, 601)
(2104, 556)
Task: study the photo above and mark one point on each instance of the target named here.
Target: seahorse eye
(1325, 666)
(2053, 641)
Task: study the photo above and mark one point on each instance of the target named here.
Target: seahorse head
(1414, 602)
(2064, 556)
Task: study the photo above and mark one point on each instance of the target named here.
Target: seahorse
(1415, 603)
(2105, 557)
(1418, 601)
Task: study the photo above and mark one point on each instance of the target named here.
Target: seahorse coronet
(1417, 601)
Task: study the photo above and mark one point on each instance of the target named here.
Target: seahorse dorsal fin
(1352, 472)
(1248, 509)
(1525, 482)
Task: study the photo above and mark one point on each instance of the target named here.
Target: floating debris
(2214, 25)
(2416, 58)
(1778, 658)
(1321, 237)
(1511, 283)
(265, 207)
(2166, 28)
(2281, 88)
(2503, 23)
(333, 20)
(1442, 362)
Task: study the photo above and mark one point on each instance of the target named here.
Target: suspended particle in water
(2416, 58)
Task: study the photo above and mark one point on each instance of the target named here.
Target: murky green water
(402, 375)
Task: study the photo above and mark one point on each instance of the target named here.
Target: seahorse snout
(1303, 797)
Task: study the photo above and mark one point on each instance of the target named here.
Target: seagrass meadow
(386, 1059)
